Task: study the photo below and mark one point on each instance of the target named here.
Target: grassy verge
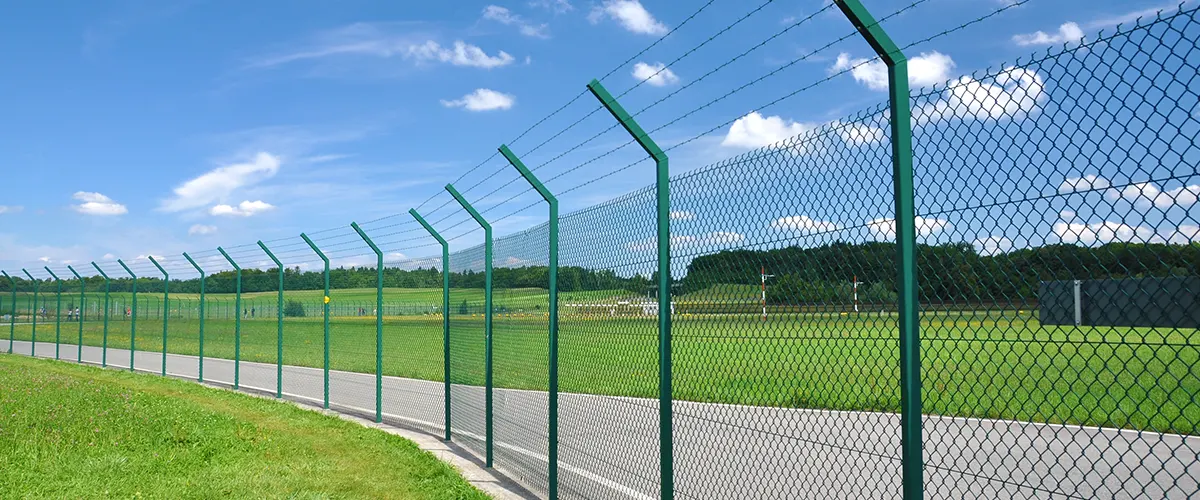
(71, 431)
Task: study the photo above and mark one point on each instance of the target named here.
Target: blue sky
(135, 128)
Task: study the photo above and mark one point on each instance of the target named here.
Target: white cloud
(1086, 183)
(11, 209)
(1013, 93)
(45, 259)
(993, 245)
(803, 224)
(97, 204)
(221, 182)
(755, 131)
(1185, 234)
(1100, 232)
(201, 229)
(631, 14)
(555, 6)
(462, 54)
(482, 100)
(682, 215)
(1068, 32)
(858, 134)
(657, 74)
(715, 239)
(109, 256)
(886, 228)
(1146, 194)
(507, 18)
(243, 209)
(146, 257)
(924, 70)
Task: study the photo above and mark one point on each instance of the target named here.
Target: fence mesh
(1058, 262)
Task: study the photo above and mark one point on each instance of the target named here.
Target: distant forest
(949, 272)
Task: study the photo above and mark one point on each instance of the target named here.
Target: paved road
(609, 445)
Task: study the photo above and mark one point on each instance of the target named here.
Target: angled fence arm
(237, 322)
(166, 310)
(104, 342)
(279, 324)
(663, 221)
(79, 317)
(552, 268)
(12, 313)
(378, 322)
(445, 313)
(37, 285)
(912, 461)
(325, 301)
(200, 372)
(487, 318)
(133, 315)
(57, 311)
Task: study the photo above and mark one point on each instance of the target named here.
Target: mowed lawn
(973, 364)
(72, 431)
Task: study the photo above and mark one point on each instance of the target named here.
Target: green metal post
(79, 317)
(445, 312)
(378, 322)
(133, 316)
(325, 300)
(57, 311)
(487, 319)
(201, 271)
(12, 316)
(663, 195)
(237, 322)
(166, 310)
(279, 327)
(37, 285)
(104, 343)
(912, 462)
(552, 452)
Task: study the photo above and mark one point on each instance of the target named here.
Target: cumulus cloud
(657, 74)
(1185, 234)
(1099, 233)
(1146, 194)
(482, 100)
(993, 245)
(109, 256)
(146, 257)
(461, 54)
(1085, 183)
(221, 182)
(508, 18)
(715, 239)
(10, 209)
(756, 131)
(630, 14)
(803, 224)
(886, 228)
(97, 204)
(243, 209)
(1067, 32)
(1013, 93)
(201, 229)
(924, 70)
(858, 134)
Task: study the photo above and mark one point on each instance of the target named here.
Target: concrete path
(608, 446)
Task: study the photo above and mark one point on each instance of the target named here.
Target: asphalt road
(608, 446)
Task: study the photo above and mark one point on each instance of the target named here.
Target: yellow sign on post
(326, 299)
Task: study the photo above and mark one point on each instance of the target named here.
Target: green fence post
(37, 285)
(445, 311)
(166, 310)
(79, 317)
(104, 342)
(663, 193)
(325, 301)
(279, 320)
(200, 377)
(132, 316)
(487, 318)
(378, 323)
(906, 242)
(552, 452)
(12, 316)
(237, 322)
(57, 310)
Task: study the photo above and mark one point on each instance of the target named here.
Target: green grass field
(974, 364)
(73, 431)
